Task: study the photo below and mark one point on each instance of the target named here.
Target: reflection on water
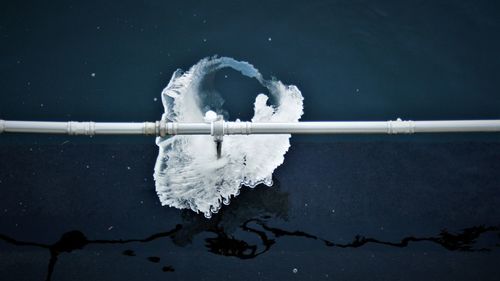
(252, 212)
(76, 240)
(462, 241)
(251, 203)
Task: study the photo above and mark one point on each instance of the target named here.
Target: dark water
(342, 208)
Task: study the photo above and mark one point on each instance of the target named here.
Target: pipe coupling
(81, 128)
(217, 129)
(400, 127)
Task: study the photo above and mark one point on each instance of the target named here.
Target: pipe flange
(217, 129)
(2, 126)
(163, 129)
(150, 128)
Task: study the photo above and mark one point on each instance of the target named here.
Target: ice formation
(188, 174)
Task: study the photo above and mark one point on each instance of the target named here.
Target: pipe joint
(217, 129)
(168, 128)
(81, 128)
(150, 128)
(399, 126)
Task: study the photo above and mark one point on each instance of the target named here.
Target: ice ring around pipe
(188, 173)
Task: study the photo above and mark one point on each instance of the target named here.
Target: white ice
(188, 174)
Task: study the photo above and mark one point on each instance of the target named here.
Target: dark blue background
(352, 60)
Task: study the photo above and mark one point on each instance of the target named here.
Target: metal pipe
(77, 128)
(320, 128)
(221, 128)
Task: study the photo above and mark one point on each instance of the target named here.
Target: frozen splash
(188, 174)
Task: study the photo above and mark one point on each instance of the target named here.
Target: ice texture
(188, 174)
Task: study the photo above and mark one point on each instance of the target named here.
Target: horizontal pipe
(376, 127)
(73, 128)
(457, 126)
(220, 127)
(320, 128)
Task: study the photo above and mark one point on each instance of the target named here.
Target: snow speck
(110, 227)
(41, 105)
(357, 90)
(92, 74)
(295, 270)
(128, 168)
(269, 39)
(155, 99)
(204, 39)
(98, 27)
(88, 166)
